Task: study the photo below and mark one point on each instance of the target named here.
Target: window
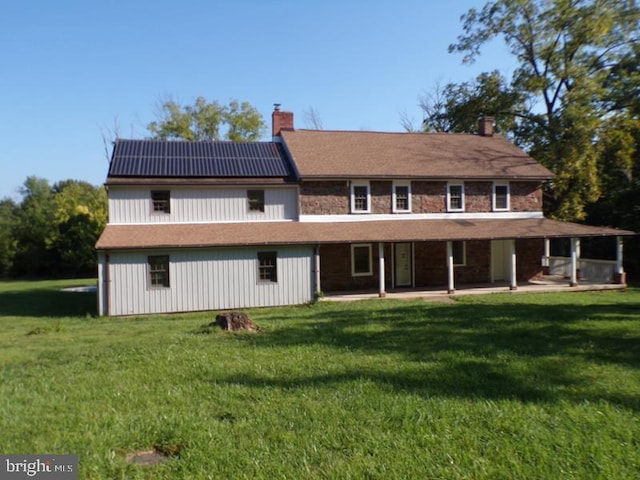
(361, 260)
(158, 270)
(255, 200)
(268, 267)
(500, 196)
(455, 197)
(458, 250)
(360, 198)
(401, 198)
(161, 201)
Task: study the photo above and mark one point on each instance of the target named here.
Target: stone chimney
(485, 126)
(280, 120)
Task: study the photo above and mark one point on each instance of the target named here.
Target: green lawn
(526, 386)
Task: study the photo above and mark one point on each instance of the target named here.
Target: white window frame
(464, 253)
(455, 184)
(394, 206)
(353, 197)
(493, 197)
(353, 262)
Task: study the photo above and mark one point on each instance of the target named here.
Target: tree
(8, 244)
(568, 52)
(203, 121)
(54, 229)
(80, 217)
(457, 107)
(35, 230)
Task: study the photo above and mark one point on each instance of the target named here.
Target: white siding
(191, 205)
(211, 279)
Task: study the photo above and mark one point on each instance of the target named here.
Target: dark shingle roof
(165, 158)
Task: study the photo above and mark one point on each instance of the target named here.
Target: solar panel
(170, 158)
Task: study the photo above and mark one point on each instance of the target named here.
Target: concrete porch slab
(544, 284)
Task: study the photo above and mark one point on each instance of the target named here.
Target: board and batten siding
(132, 205)
(207, 279)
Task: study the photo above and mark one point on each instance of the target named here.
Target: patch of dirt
(147, 457)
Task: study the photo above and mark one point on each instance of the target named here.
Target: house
(221, 225)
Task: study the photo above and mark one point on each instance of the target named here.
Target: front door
(500, 260)
(403, 262)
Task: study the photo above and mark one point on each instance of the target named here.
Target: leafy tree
(80, 217)
(570, 53)
(54, 228)
(203, 121)
(457, 107)
(35, 229)
(8, 244)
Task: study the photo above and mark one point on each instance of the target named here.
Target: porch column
(545, 258)
(450, 271)
(513, 282)
(620, 277)
(382, 293)
(316, 269)
(573, 274)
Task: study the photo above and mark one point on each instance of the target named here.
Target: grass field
(528, 386)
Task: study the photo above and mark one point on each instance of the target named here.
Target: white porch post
(573, 274)
(316, 269)
(451, 286)
(382, 293)
(620, 276)
(513, 282)
(545, 258)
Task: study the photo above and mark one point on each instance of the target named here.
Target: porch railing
(591, 270)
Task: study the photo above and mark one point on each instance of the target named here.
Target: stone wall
(333, 197)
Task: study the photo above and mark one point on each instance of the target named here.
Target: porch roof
(194, 235)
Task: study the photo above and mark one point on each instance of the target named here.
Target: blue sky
(74, 69)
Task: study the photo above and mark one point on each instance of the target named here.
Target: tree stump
(235, 321)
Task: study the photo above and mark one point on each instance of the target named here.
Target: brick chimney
(485, 126)
(280, 120)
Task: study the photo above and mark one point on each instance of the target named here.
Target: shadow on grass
(47, 303)
(531, 352)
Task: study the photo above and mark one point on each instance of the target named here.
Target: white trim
(420, 216)
(362, 274)
(455, 184)
(257, 220)
(493, 196)
(352, 201)
(406, 184)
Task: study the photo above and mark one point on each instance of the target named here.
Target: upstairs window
(401, 198)
(361, 260)
(255, 199)
(501, 197)
(161, 201)
(360, 198)
(455, 197)
(267, 267)
(158, 266)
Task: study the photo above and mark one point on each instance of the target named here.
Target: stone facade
(333, 197)
(526, 197)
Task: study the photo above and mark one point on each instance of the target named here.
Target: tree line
(52, 231)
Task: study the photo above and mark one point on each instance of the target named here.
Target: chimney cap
(276, 107)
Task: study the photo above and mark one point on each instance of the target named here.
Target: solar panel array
(170, 158)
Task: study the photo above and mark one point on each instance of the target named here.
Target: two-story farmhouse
(220, 225)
